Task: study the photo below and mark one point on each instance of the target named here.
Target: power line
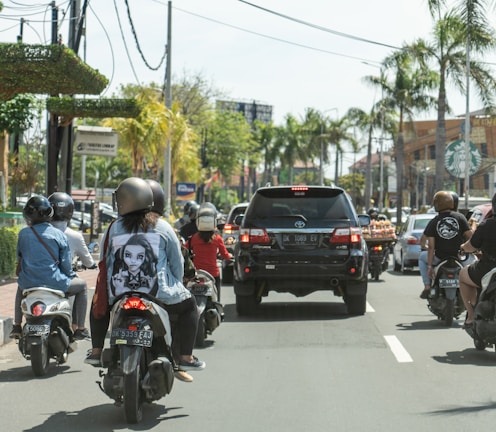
(272, 37)
(325, 29)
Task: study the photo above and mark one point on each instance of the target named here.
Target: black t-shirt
(447, 228)
(484, 238)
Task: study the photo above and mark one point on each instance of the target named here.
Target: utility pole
(168, 104)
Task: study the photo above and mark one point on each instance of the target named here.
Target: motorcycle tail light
(134, 303)
(38, 308)
(132, 327)
(377, 248)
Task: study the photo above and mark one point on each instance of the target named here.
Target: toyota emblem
(299, 224)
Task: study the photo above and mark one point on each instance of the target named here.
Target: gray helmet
(132, 195)
(37, 210)
(158, 196)
(207, 217)
(63, 206)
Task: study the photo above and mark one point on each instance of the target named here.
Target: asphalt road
(301, 364)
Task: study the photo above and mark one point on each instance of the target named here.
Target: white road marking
(398, 350)
(369, 308)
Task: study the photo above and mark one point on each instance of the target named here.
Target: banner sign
(185, 191)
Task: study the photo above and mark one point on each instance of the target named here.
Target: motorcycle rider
(63, 208)
(188, 229)
(484, 240)
(444, 235)
(173, 247)
(207, 244)
(184, 219)
(423, 267)
(137, 259)
(38, 268)
(373, 212)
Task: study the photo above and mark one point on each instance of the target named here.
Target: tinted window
(421, 223)
(316, 205)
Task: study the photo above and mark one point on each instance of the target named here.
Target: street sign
(96, 141)
(454, 160)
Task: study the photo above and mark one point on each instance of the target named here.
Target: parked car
(230, 237)
(301, 239)
(406, 250)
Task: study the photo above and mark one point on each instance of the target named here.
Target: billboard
(185, 191)
(96, 141)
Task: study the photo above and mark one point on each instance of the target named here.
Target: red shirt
(205, 254)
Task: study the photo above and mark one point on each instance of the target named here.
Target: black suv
(301, 239)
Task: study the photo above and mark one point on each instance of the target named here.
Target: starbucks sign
(455, 156)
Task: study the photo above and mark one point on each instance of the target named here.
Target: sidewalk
(8, 290)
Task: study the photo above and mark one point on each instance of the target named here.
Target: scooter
(444, 299)
(210, 311)
(47, 333)
(483, 330)
(140, 364)
(378, 257)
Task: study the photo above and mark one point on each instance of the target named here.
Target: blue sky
(246, 52)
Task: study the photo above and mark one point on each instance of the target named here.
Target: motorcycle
(378, 257)
(210, 311)
(444, 299)
(483, 330)
(47, 333)
(140, 364)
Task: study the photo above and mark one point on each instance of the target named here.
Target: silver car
(407, 248)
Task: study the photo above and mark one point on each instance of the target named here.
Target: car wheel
(403, 267)
(356, 304)
(396, 266)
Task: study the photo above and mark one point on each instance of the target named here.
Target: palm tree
(404, 88)
(448, 52)
(289, 140)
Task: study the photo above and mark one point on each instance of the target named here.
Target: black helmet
(193, 211)
(37, 210)
(132, 195)
(158, 196)
(443, 201)
(454, 195)
(188, 206)
(373, 212)
(63, 206)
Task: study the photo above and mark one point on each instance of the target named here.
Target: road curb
(5, 329)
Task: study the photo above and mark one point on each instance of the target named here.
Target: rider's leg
(468, 291)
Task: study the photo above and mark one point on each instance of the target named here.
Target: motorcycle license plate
(131, 337)
(448, 283)
(37, 329)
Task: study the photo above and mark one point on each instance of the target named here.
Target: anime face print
(447, 228)
(135, 263)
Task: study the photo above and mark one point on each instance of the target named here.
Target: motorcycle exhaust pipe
(58, 341)
(334, 282)
(212, 319)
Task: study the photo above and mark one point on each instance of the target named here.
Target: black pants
(187, 324)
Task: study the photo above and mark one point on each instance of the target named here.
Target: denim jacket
(148, 262)
(38, 268)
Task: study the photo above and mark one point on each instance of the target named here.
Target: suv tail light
(253, 235)
(347, 235)
(230, 228)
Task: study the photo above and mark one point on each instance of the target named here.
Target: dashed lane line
(398, 349)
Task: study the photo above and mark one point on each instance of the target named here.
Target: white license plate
(131, 337)
(37, 329)
(448, 283)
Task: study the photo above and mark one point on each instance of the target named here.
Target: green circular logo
(454, 160)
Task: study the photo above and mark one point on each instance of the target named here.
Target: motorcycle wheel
(133, 398)
(449, 312)
(201, 333)
(39, 358)
(376, 272)
(480, 345)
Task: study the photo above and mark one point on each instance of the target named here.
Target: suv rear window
(316, 205)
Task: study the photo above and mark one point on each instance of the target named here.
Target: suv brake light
(347, 235)
(412, 240)
(230, 228)
(253, 235)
